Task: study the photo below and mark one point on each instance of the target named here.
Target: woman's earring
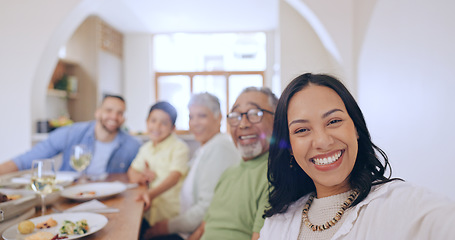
(291, 162)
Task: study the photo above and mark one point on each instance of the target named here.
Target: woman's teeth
(327, 160)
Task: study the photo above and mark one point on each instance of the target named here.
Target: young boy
(162, 164)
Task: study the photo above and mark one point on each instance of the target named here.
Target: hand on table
(146, 199)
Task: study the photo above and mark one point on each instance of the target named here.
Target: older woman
(329, 183)
(216, 153)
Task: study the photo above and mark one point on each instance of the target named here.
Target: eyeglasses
(253, 115)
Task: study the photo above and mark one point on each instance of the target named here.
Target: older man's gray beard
(251, 150)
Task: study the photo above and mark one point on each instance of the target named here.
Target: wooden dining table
(124, 224)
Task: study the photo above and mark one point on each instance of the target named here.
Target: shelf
(68, 61)
(60, 93)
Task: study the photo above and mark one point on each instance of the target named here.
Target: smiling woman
(205, 117)
(328, 181)
(324, 138)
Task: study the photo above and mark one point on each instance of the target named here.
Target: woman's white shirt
(395, 210)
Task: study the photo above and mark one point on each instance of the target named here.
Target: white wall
(139, 89)
(110, 74)
(300, 48)
(22, 46)
(317, 36)
(333, 23)
(31, 35)
(406, 85)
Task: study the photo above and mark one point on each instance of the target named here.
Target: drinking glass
(80, 159)
(43, 179)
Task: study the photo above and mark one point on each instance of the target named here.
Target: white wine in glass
(43, 179)
(80, 159)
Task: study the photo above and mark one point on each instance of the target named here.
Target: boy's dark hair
(167, 107)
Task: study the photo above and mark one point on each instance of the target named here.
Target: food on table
(14, 196)
(26, 227)
(47, 224)
(86, 194)
(60, 122)
(40, 236)
(70, 228)
(57, 237)
(3, 197)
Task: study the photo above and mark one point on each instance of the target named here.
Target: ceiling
(158, 16)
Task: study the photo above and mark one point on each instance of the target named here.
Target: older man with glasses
(241, 193)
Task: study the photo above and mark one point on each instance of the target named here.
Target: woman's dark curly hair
(289, 184)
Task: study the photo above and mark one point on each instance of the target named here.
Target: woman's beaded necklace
(334, 220)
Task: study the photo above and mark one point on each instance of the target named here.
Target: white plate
(95, 222)
(12, 208)
(101, 190)
(27, 194)
(63, 178)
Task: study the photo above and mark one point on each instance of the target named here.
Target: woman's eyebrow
(298, 121)
(330, 112)
(323, 116)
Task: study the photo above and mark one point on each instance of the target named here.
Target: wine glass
(43, 179)
(80, 159)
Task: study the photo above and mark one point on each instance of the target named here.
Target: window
(222, 64)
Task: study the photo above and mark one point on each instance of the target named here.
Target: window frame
(191, 75)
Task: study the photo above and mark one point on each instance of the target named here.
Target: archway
(49, 58)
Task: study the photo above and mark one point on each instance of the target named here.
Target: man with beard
(241, 194)
(112, 148)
